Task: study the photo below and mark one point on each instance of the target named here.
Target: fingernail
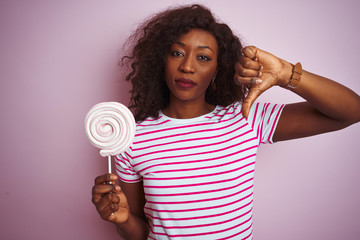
(258, 81)
(117, 188)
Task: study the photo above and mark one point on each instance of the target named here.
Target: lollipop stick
(109, 164)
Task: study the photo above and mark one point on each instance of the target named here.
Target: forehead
(198, 37)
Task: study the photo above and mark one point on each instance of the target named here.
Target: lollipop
(110, 126)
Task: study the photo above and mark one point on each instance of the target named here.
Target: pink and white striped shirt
(198, 173)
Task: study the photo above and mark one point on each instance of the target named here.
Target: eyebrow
(206, 47)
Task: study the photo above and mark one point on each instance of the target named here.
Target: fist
(260, 70)
(109, 200)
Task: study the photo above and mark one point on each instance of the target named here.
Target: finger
(114, 198)
(254, 93)
(246, 72)
(105, 188)
(122, 200)
(96, 196)
(247, 80)
(106, 178)
(109, 205)
(102, 203)
(98, 191)
(108, 211)
(250, 52)
(108, 199)
(248, 63)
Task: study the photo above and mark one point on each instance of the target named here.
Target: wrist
(124, 222)
(123, 228)
(295, 76)
(134, 228)
(286, 74)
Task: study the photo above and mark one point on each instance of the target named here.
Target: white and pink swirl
(110, 126)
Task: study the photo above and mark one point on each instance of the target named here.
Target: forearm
(133, 229)
(329, 105)
(329, 97)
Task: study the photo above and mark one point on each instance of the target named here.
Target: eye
(204, 58)
(176, 53)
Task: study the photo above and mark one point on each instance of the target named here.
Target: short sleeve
(125, 169)
(263, 118)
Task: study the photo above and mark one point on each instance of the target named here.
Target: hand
(261, 70)
(110, 202)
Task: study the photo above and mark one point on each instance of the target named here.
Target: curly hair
(153, 39)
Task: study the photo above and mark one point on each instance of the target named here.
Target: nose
(187, 65)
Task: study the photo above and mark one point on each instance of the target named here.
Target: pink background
(58, 59)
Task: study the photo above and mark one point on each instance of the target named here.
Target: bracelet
(295, 76)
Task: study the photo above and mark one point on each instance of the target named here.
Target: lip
(185, 83)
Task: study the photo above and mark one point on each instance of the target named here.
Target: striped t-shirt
(198, 173)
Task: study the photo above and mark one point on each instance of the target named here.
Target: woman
(189, 172)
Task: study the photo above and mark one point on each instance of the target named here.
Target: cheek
(209, 73)
(169, 69)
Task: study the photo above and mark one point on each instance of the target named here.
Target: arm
(136, 227)
(121, 206)
(329, 105)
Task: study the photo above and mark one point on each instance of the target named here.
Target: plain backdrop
(59, 58)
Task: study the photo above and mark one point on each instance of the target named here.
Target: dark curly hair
(153, 39)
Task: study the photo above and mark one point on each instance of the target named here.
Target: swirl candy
(110, 126)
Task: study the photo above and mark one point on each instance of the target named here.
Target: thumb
(251, 52)
(254, 93)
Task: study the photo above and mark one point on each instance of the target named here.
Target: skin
(123, 206)
(329, 106)
(193, 56)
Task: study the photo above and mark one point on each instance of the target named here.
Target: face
(190, 65)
